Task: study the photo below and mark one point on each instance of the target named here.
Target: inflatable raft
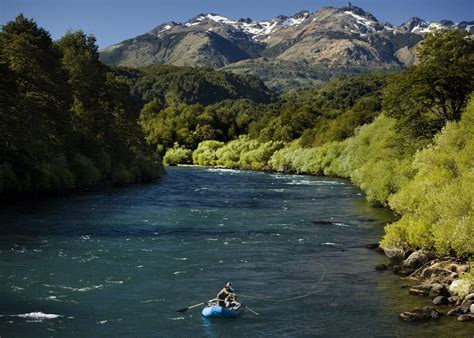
(214, 310)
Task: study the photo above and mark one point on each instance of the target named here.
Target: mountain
(286, 51)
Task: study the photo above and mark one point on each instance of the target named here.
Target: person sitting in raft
(226, 295)
(230, 300)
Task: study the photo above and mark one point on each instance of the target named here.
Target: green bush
(121, 175)
(230, 154)
(206, 153)
(84, 171)
(178, 155)
(378, 159)
(324, 160)
(150, 168)
(54, 176)
(437, 205)
(258, 157)
(8, 179)
(103, 163)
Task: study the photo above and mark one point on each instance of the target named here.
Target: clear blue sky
(112, 21)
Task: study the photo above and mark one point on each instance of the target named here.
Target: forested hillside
(174, 85)
(66, 120)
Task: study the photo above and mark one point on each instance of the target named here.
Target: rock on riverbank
(439, 280)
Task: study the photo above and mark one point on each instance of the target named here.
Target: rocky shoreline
(438, 279)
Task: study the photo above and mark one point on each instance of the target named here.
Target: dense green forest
(406, 139)
(69, 121)
(66, 120)
(188, 105)
(174, 85)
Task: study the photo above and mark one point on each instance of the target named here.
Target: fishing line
(270, 299)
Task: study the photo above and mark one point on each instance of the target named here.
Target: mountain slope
(306, 45)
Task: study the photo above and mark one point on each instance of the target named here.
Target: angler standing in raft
(226, 296)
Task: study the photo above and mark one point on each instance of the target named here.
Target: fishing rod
(270, 299)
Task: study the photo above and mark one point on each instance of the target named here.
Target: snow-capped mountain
(339, 39)
(419, 26)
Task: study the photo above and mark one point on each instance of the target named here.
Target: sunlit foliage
(437, 206)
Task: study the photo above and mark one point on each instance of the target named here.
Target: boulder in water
(455, 312)
(437, 271)
(323, 222)
(453, 299)
(420, 314)
(416, 260)
(396, 255)
(466, 317)
(466, 305)
(430, 289)
(440, 300)
(371, 246)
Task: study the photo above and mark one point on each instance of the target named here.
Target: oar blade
(189, 307)
(253, 311)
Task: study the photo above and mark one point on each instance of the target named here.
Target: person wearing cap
(226, 296)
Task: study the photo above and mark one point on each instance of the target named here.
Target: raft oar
(183, 310)
(254, 312)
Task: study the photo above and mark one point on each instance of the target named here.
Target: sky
(112, 21)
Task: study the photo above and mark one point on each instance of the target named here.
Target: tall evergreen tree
(35, 106)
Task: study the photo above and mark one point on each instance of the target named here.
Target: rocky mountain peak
(301, 15)
(330, 39)
(412, 23)
(359, 12)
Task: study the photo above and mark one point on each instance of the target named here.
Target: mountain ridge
(340, 40)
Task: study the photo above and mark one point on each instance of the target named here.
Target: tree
(436, 90)
(35, 110)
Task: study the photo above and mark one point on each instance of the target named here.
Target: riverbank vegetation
(66, 120)
(69, 121)
(405, 139)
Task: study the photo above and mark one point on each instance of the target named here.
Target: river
(121, 262)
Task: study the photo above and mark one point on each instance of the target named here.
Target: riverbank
(440, 278)
(447, 281)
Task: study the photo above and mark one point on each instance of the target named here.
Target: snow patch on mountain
(293, 21)
(220, 19)
(255, 29)
(368, 24)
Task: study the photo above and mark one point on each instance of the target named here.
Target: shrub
(8, 179)
(178, 155)
(149, 168)
(84, 171)
(206, 153)
(121, 175)
(257, 158)
(378, 159)
(437, 205)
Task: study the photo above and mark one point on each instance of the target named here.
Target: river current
(121, 262)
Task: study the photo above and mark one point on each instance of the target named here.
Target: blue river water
(119, 263)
